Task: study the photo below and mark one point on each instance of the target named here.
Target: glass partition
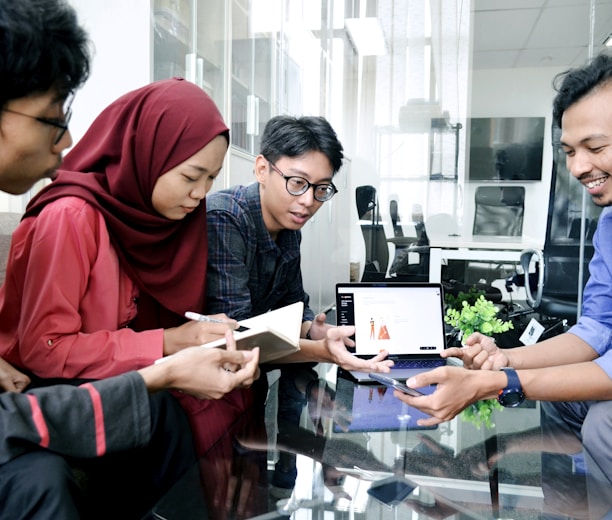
(402, 83)
(189, 40)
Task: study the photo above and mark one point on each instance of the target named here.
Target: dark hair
(573, 84)
(42, 47)
(287, 136)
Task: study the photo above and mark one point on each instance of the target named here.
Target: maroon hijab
(114, 167)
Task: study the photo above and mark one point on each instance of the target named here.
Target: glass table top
(355, 452)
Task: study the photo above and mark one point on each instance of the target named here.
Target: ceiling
(537, 33)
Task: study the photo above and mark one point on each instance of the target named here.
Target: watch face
(511, 398)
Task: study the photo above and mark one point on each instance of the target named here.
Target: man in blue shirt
(570, 373)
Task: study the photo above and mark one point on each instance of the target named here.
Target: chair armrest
(526, 256)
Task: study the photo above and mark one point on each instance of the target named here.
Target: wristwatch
(511, 396)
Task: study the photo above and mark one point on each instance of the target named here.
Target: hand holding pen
(201, 317)
(197, 331)
(209, 319)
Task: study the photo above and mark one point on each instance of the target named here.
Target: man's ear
(261, 169)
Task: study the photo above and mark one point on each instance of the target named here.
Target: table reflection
(341, 454)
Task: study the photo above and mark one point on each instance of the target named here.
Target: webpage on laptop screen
(402, 320)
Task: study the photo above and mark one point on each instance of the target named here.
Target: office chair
(395, 219)
(499, 210)
(376, 243)
(407, 255)
(376, 247)
(411, 261)
(552, 287)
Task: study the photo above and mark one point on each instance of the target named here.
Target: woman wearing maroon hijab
(122, 234)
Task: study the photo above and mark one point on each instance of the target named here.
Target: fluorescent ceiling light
(367, 36)
(608, 41)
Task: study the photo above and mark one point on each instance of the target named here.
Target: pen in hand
(201, 317)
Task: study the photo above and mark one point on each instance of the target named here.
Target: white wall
(122, 57)
(521, 93)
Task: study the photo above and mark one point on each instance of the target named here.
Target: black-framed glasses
(61, 124)
(297, 186)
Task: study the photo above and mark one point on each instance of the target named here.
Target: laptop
(404, 318)
(373, 408)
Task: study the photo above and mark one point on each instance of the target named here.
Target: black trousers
(39, 485)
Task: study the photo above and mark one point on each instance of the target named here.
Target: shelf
(169, 22)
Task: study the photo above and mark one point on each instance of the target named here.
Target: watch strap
(513, 379)
(512, 395)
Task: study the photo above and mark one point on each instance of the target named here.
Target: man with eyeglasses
(254, 254)
(61, 123)
(45, 432)
(254, 231)
(48, 131)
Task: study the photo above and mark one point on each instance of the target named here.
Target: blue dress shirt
(595, 324)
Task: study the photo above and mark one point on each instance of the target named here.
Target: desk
(476, 249)
(335, 471)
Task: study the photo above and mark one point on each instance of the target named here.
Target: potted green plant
(481, 316)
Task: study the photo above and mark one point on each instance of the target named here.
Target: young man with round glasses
(254, 262)
(254, 233)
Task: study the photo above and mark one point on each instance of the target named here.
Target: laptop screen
(402, 318)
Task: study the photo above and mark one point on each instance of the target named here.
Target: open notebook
(276, 333)
(406, 319)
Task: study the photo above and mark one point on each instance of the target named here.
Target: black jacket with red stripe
(78, 421)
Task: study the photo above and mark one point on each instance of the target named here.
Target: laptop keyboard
(416, 363)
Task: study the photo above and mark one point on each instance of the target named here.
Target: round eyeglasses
(297, 186)
(62, 124)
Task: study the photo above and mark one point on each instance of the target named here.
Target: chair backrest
(8, 222)
(440, 225)
(376, 246)
(377, 251)
(365, 197)
(560, 262)
(499, 210)
(395, 218)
